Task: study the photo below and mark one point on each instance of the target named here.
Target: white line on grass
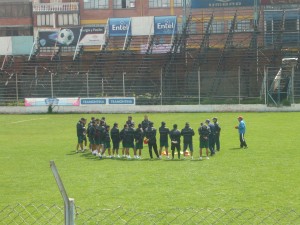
(22, 121)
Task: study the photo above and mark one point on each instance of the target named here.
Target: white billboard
(142, 25)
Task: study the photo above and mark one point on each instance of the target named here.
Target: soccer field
(264, 176)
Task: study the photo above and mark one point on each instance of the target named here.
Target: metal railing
(56, 7)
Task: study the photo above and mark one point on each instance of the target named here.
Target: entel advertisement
(119, 26)
(108, 101)
(165, 25)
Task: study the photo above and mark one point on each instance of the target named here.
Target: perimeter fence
(54, 214)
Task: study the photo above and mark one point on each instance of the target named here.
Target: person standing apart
(175, 140)
(217, 133)
(242, 130)
(187, 132)
(204, 139)
(163, 140)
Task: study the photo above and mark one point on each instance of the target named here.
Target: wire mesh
(188, 216)
(53, 214)
(32, 214)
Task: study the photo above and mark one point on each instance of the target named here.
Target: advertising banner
(62, 37)
(220, 3)
(92, 35)
(119, 26)
(157, 49)
(52, 101)
(165, 25)
(108, 101)
(142, 25)
(121, 101)
(93, 101)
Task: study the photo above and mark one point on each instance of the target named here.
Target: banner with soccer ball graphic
(62, 37)
(93, 35)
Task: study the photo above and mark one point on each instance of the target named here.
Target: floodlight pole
(199, 86)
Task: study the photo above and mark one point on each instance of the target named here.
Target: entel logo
(122, 26)
(166, 25)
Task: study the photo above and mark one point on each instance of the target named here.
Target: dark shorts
(204, 143)
(128, 145)
(107, 144)
(164, 143)
(188, 145)
(116, 144)
(84, 138)
(175, 146)
(98, 141)
(139, 145)
(92, 141)
(80, 138)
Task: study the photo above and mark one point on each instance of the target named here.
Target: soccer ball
(65, 37)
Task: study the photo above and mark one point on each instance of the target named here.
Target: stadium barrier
(149, 108)
(54, 214)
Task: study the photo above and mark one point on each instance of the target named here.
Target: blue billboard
(121, 101)
(119, 27)
(92, 101)
(220, 3)
(165, 25)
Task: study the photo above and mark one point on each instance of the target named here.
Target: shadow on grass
(236, 148)
(88, 155)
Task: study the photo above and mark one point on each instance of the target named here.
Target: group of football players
(100, 136)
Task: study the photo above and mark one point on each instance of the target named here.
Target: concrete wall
(150, 108)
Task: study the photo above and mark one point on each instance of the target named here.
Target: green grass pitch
(265, 176)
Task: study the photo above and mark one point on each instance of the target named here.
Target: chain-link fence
(53, 214)
(32, 214)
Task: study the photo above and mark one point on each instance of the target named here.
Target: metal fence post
(51, 85)
(199, 86)
(239, 79)
(161, 86)
(124, 83)
(87, 85)
(292, 80)
(17, 91)
(68, 202)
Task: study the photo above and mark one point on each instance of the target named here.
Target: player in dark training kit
(187, 132)
(163, 140)
(150, 134)
(217, 133)
(175, 135)
(115, 137)
(139, 138)
(204, 139)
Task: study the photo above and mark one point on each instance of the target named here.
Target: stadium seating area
(224, 66)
